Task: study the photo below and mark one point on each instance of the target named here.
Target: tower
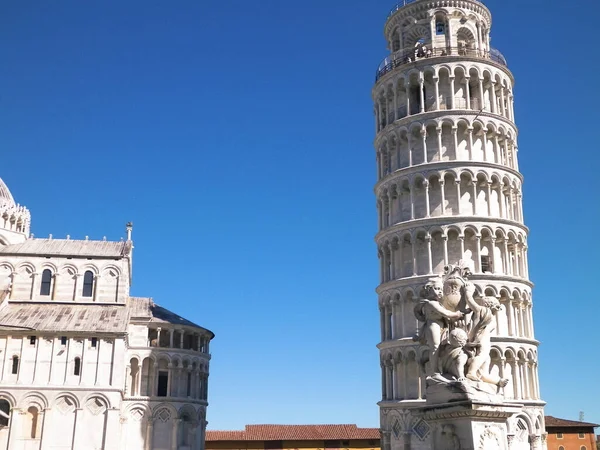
(448, 190)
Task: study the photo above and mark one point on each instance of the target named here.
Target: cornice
(445, 166)
(421, 118)
(422, 279)
(439, 60)
(446, 221)
(396, 17)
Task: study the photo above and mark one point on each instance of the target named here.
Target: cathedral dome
(6, 198)
(13, 217)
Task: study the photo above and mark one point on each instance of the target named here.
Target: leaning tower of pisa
(449, 189)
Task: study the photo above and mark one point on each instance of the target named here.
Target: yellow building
(295, 437)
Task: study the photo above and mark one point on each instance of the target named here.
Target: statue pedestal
(469, 425)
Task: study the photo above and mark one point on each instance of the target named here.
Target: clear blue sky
(237, 136)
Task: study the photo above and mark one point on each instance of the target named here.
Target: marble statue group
(457, 329)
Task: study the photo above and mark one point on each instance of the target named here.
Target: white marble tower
(449, 189)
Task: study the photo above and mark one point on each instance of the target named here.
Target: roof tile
(295, 433)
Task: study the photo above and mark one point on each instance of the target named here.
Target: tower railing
(404, 57)
(408, 2)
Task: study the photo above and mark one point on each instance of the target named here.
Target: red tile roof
(295, 433)
(555, 422)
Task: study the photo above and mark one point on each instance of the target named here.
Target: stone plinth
(469, 425)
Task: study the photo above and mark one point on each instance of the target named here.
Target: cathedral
(83, 365)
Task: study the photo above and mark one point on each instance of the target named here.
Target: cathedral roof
(64, 317)
(145, 309)
(69, 247)
(6, 198)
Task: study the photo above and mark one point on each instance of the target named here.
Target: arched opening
(88, 284)
(4, 413)
(163, 379)
(147, 384)
(15, 365)
(133, 381)
(31, 423)
(46, 284)
(465, 41)
(77, 367)
(185, 433)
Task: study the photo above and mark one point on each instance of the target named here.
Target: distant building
(82, 364)
(295, 437)
(570, 434)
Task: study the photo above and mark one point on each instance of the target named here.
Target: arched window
(185, 430)
(561, 448)
(46, 282)
(440, 27)
(15, 365)
(4, 413)
(88, 284)
(77, 366)
(583, 447)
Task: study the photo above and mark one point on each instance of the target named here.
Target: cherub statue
(436, 320)
(453, 358)
(483, 324)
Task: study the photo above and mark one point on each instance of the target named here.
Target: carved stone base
(440, 390)
(469, 425)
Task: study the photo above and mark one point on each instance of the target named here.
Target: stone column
(410, 156)
(489, 198)
(424, 139)
(474, 188)
(414, 256)
(493, 96)
(128, 376)
(395, 92)
(407, 90)
(34, 284)
(478, 254)
(11, 294)
(470, 142)
(158, 330)
(445, 239)
(429, 253)
(149, 434)
(171, 336)
(175, 435)
(78, 288)
(412, 201)
(421, 94)
(455, 138)
(437, 93)
(443, 195)
(427, 206)
(458, 196)
(452, 92)
(468, 92)
(439, 139)
(54, 284)
(170, 379)
(96, 282)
